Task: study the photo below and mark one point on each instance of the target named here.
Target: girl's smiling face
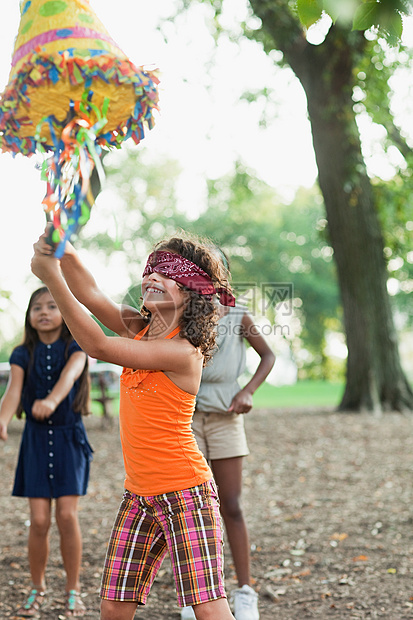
(162, 293)
(45, 316)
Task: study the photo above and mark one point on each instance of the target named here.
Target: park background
(231, 157)
(327, 495)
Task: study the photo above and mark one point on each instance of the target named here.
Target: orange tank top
(159, 449)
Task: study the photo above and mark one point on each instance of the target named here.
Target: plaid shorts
(185, 523)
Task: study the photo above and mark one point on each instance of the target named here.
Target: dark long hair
(81, 403)
(200, 316)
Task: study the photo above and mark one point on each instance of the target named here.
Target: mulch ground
(328, 500)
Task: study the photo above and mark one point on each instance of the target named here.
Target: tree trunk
(375, 379)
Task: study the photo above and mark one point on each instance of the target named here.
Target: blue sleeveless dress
(55, 455)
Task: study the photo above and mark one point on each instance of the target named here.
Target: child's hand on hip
(241, 403)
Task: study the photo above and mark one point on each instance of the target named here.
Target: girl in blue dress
(49, 382)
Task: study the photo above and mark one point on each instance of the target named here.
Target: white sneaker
(245, 602)
(187, 613)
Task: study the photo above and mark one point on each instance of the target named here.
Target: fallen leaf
(304, 573)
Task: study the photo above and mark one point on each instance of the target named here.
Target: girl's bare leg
(70, 539)
(117, 610)
(213, 610)
(228, 476)
(38, 544)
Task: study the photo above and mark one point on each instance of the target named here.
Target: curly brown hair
(200, 316)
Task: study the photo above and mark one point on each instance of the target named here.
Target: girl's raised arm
(10, 402)
(125, 321)
(177, 356)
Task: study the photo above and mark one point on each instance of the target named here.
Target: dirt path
(328, 498)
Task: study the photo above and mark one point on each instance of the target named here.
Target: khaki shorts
(220, 435)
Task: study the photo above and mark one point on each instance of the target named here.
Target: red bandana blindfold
(188, 274)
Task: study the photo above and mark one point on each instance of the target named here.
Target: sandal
(74, 605)
(31, 608)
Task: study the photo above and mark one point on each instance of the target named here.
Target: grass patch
(302, 394)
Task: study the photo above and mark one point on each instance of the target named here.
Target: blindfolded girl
(170, 502)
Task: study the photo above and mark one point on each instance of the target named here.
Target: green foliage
(385, 15)
(396, 215)
(327, 72)
(267, 241)
(372, 95)
(366, 16)
(393, 198)
(309, 11)
(6, 350)
(387, 19)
